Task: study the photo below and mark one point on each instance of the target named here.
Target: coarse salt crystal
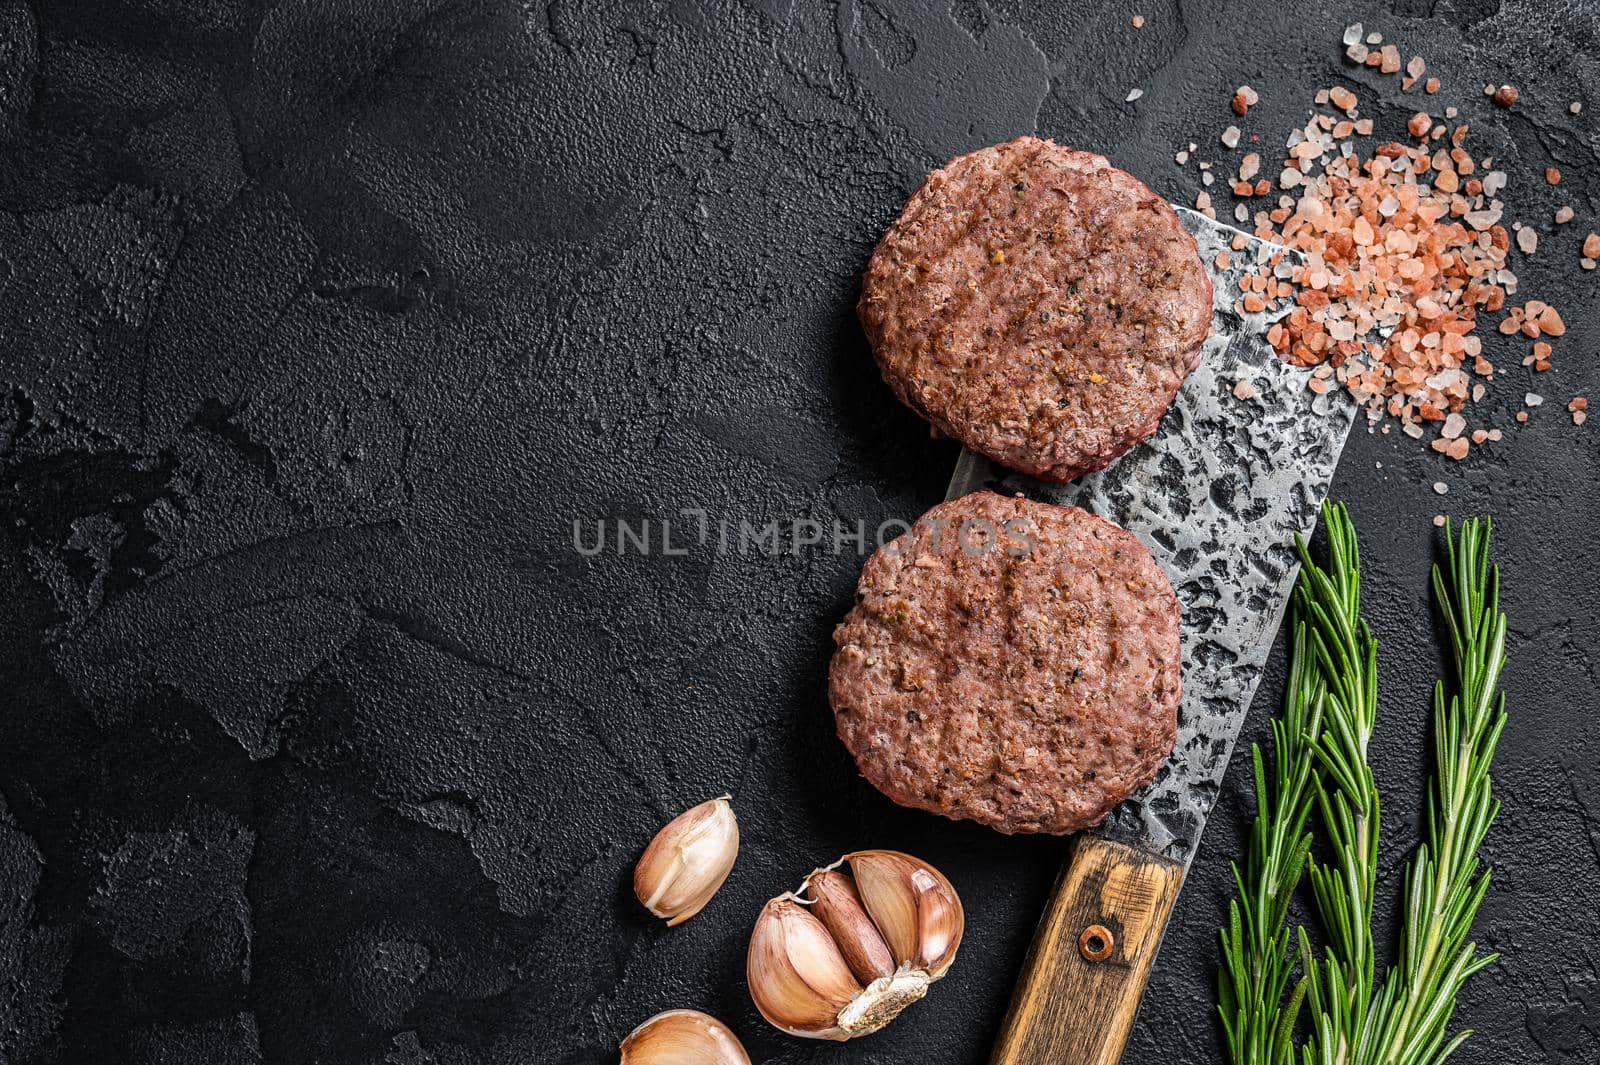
(1243, 390)
(1532, 399)
(1527, 240)
(1134, 94)
(1230, 137)
(1352, 33)
(1440, 488)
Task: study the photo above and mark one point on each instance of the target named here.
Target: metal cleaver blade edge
(1216, 494)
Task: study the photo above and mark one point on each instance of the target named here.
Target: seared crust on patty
(1009, 662)
(1037, 304)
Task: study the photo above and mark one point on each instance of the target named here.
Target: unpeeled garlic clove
(798, 978)
(913, 905)
(688, 861)
(870, 943)
(683, 1037)
(837, 905)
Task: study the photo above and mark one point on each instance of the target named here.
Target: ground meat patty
(1037, 304)
(1009, 662)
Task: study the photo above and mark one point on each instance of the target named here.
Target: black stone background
(323, 320)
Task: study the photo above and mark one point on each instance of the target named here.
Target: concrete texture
(320, 324)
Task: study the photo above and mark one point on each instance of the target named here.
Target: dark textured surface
(321, 322)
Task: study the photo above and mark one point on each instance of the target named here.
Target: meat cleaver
(1217, 494)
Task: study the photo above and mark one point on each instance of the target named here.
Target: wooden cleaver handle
(1086, 971)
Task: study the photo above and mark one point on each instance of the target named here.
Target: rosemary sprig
(1255, 946)
(1346, 655)
(1321, 746)
(1444, 885)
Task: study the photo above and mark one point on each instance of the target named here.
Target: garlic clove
(798, 978)
(913, 905)
(688, 861)
(837, 905)
(867, 942)
(683, 1037)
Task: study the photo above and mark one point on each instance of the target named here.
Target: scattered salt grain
(1591, 246)
(1505, 95)
(1438, 521)
(1243, 390)
(1353, 33)
(1397, 254)
(1230, 137)
(1532, 399)
(1440, 488)
(1574, 107)
(1138, 22)
(1134, 94)
(1552, 175)
(1563, 215)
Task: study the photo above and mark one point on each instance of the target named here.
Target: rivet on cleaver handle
(1217, 494)
(1086, 971)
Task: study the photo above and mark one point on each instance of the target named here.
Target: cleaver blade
(1217, 495)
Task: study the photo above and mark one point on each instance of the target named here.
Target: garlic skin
(683, 1037)
(846, 953)
(688, 861)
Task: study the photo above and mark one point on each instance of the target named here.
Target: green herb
(1320, 759)
(1255, 945)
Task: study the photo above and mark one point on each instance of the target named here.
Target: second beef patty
(1010, 662)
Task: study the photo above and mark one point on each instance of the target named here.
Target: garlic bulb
(688, 861)
(846, 953)
(683, 1037)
